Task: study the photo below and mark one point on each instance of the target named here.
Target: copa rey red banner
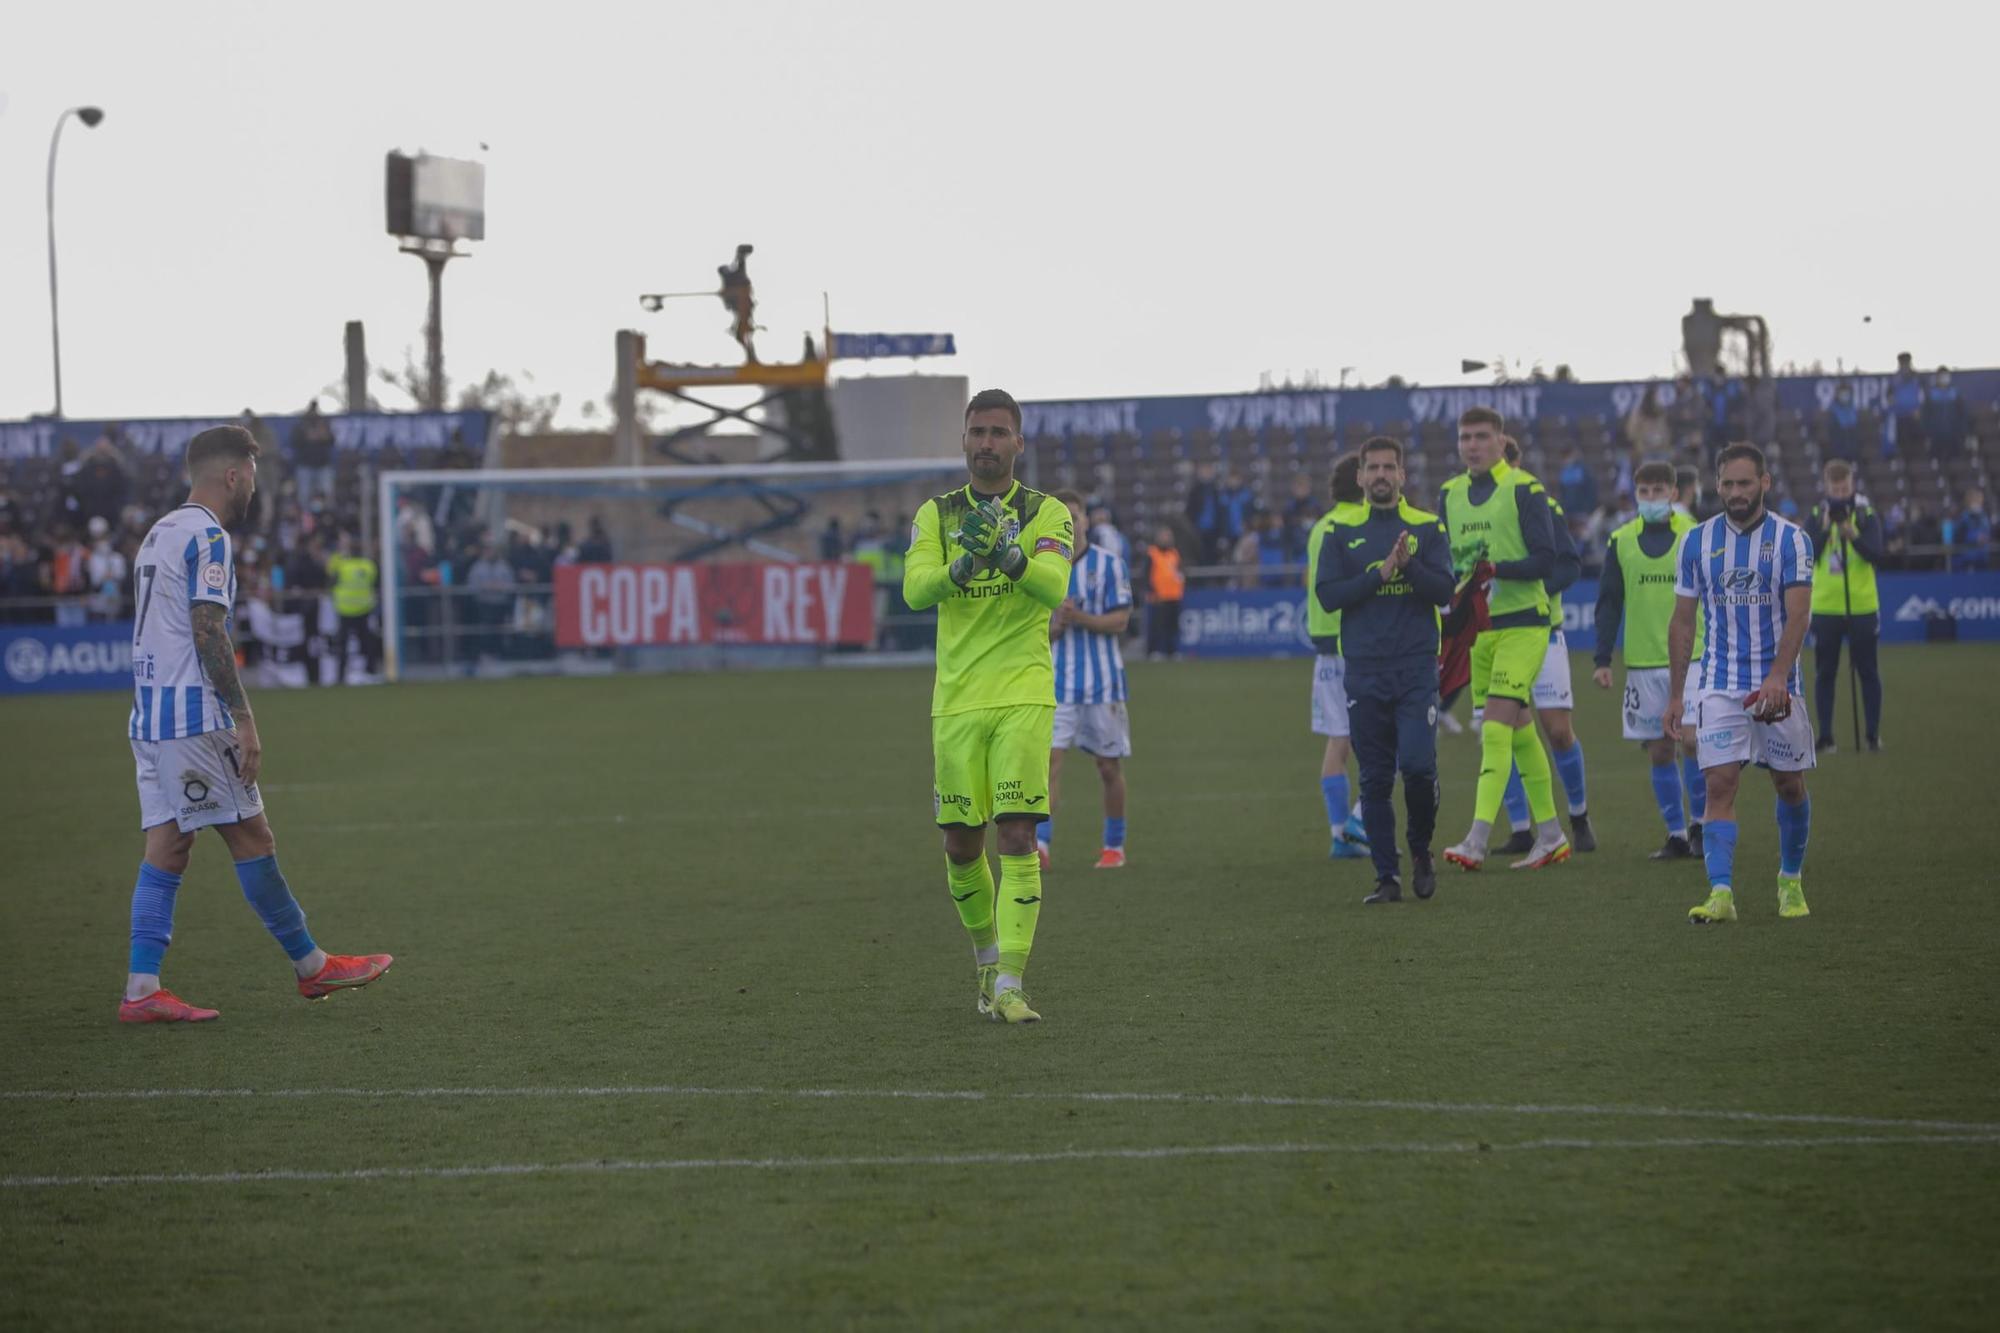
(626, 605)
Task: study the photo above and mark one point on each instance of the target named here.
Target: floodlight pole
(90, 116)
(435, 254)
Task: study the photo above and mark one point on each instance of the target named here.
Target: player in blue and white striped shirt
(194, 740)
(1750, 572)
(1090, 681)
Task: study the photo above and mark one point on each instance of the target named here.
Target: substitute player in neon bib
(1636, 592)
(1329, 684)
(1750, 572)
(195, 741)
(994, 558)
(1090, 680)
(1499, 525)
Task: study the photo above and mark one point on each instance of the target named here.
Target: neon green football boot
(1720, 907)
(1010, 1006)
(1792, 897)
(987, 973)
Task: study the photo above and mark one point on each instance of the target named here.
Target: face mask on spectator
(1655, 511)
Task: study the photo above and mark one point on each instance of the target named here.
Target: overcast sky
(1098, 199)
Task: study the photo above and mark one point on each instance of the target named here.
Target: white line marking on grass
(975, 1095)
(689, 816)
(289, 1175)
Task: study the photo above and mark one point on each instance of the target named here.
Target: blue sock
(152, 918)
(1517, 801)
(1794, 823)
(1718, 844)
(267, 891)
(1114, 831)
(1045, 833)
(1334, 789)
(1569, 766)
(1667, 792)
(1697, 786)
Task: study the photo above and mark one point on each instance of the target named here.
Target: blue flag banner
(863, 346)
(365, 432)
(1271, 622)
(1393, 409)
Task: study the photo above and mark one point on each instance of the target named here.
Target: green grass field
(678, 951)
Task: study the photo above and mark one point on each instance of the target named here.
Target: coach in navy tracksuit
(1387, 574)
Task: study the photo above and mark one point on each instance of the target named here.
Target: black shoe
(1694, 839)
(1520, 844)
(1824, 745)
(1581, 839)
(1386, 891)
(1874, 745)
(1676, 849)
(1423, 875)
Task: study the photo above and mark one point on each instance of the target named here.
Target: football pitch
(681, 1034)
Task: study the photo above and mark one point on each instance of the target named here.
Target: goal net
(594, 570)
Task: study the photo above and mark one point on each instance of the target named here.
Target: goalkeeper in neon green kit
(994, 558)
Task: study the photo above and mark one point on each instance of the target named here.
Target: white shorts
(193, 782)
(1103, 731)
(1646, 703)
(1330, 695)
(1552, 685)
(1727, 734)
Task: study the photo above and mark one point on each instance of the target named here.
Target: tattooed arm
(218, 661)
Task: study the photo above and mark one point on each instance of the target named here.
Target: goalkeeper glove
(979, 531)
(964, 569)
(1013, 562)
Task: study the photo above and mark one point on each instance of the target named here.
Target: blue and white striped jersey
(1740, 580)
(186, 558)
(1089, 667)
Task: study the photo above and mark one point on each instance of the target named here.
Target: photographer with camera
(1846, 535)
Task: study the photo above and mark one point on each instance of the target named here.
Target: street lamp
(90, 116)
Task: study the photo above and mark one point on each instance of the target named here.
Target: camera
(1841, 510)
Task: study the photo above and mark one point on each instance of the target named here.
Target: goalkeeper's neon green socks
(1496, 762)
(972, 891)
(1533, 762)
(1019, 908)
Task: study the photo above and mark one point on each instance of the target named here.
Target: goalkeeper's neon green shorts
(1505, 663)
(992, 763)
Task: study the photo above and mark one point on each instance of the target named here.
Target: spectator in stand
(1760, 410)
(1105, 535)
(1926, 536)
(107, 572)
(99, 486)
(1840, 428)
(832, 542)
(1204, 512)
(1302, 510)
(414, 529)
(1272, 555)
(1165, 586)
(492, 582)
(595, 549)
(1648, 433)
(1578, 488)
(1243, 554)
(312, 455)
(1970, 535)
(10, 511)
(300, 582)
(1239, 508)
(1944, 414)
(1906, 403)
(24, 577)
(69, 575)
(1724, 395)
